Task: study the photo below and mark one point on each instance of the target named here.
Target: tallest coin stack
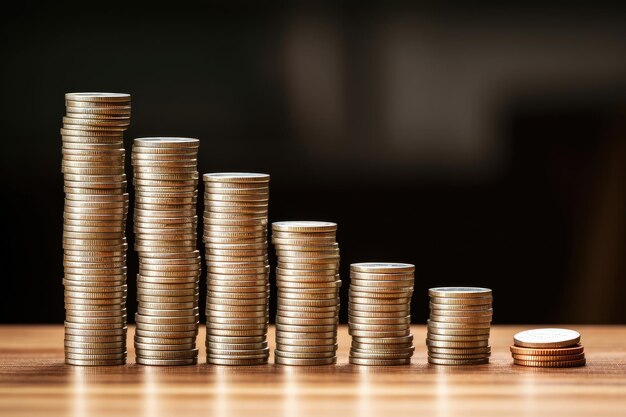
(94, 242)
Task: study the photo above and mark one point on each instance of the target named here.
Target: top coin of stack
(307, 277)
(380, 313)
(235, 236)
(548, 348)
(94, 242)
(166, 178)
(459, 325)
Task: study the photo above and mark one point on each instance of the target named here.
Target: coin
(459, 292)
(459, 356)
(165, 362)
(454, 351)
(95, 362)
(457, 362)
(379, 362)
(466, 301)
(458, 332)
(546, 338)
(554, 358)
(382, 268)
(304, 226)
(305, 355)
(455, 325)
(279, 360)
(237, 362)
(555, 364)
(577, 349)
(309, 348)
(435, 318)
(458, 338)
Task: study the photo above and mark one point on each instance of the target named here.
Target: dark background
(486, 145)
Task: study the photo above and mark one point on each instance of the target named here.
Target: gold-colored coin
(574, 350)
(556, 364)
(555, 358)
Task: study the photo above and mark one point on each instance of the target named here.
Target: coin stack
(380, 313)
(459, 325)
(548, 348)
(94, 226)
(165, 221)
(307, 277)
(235, 237)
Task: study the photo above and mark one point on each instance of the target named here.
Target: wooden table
(35, 382)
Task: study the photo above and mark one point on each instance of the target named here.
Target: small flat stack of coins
(459, 326)
(548, 348)
(307, 277)
(235, 237)
(380, 313)
(166, 178)
(94, 226)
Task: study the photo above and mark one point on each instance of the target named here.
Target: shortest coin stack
(380, 313)
(548, 348)
(459, 326)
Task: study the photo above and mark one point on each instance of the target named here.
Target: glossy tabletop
(34, 381)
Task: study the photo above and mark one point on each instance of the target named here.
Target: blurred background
(486, 145)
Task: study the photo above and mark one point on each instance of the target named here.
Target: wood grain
(35, 382)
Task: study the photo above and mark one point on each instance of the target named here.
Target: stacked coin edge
(94, 227)
(308, 283)
(235, 238)
(165, 225)
(379, 318)
(459, 326)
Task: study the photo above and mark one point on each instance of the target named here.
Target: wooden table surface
(34, 381)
